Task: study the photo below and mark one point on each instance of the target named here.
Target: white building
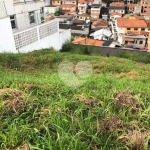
(23, 27)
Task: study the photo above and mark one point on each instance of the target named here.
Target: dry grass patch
(111, 125)
(13, 99)
(135, 139)
(126, 99)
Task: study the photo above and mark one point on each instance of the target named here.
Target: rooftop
(117, 4)
(87, 41)
(134, 23)
(115, 13)
(99, 23)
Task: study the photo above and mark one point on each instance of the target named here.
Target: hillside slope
(110, 110)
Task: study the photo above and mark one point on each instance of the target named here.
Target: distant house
(85, 17)
(95, 10)
(131, 7)
(137, 9)
(145, 6)
(69, 8)
(50, 10)
(133, 29)
(97, 2)
(117, 7)
(80, 27)
(99, 24)
(130, 2)
(87, 41)
(102, 34)
(82, 6)
(133, 41)
(56, 2)
(115, 15)
(71, 2)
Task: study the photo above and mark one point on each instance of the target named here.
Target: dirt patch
(111, 125)
(135, 139)
(13, 99)
(89, 102)
(126, 99)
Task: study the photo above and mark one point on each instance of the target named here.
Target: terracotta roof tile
(116, 13)
(117, 4)
(99, 23)
(82, 1)
(131, 5)
(131, 23)
(87, 41)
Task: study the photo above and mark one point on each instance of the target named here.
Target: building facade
(23, 26)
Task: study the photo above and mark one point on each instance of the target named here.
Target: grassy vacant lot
(38, 111)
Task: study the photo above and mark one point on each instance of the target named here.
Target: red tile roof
(99, 23)
(131, 6)
(116, 13)
(117, 4)
(131, 23)
(87, 41)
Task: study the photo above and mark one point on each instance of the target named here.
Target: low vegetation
(38, 111)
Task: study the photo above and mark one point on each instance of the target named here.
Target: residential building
(90, 2)
(85, 17)
(97, 2)
(115, 15)
(137, 9)
(95, 10)
(129, 2)
(87, 41)
(99, 24)
(56, 2)
(102, 34)
(23, 26)
(131, 24)
(117, 7)
(131, 7)
(82, 6)
(50, 10)
(133, 41)
(69, 8)
(145, 6)
(71, 2)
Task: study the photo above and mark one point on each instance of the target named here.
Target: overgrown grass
(57, 117)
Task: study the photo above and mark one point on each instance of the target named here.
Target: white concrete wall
(64, 35)
(7, 43)
(120, 11)
(54, 40)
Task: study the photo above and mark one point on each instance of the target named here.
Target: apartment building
(56, 2)
(95, 10)
(23, 26)
(132, 31)
(82, 6)
(117, 7)
(145, 6)
(68, 8)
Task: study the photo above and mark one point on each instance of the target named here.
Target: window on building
(13, 21)
(142, 29)
(135, 29)
(141, 42)
(42, 15)
(128, 28)
(126, 42)
(31, 17)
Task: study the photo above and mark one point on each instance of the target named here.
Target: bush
(66, 47)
